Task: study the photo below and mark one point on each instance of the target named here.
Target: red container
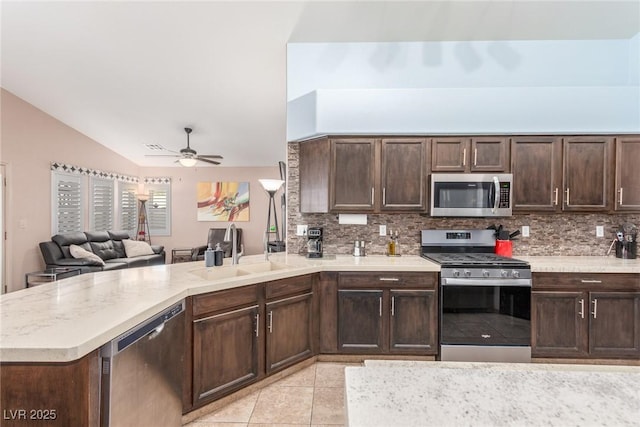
(504, 248)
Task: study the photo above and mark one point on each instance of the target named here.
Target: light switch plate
(383, 230)
(301, 230)
(525, 231)
(599, 231)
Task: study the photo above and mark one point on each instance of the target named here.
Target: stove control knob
(485, 273)
(456, 273)
(504, 273)
(467, 273)
(515, 273)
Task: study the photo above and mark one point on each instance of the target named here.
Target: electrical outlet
(383, 230)
(301, 230)
(599, 231)
(525, 231)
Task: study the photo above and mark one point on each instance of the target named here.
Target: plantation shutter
(68, 203)
(158, 210)
(128, 212)
(101, 204)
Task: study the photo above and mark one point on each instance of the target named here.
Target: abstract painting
(223, 201)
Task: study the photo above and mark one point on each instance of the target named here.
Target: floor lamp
(271, 186)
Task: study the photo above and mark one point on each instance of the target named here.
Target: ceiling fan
(188, 156)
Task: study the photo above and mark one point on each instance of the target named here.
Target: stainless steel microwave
(471, 194)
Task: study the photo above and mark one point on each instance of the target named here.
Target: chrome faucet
(231, 235)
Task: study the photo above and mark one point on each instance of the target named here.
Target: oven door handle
(486, 282)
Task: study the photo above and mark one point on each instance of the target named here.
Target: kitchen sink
(264, 267)
(216, 273)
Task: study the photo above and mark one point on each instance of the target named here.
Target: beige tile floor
(313, 396)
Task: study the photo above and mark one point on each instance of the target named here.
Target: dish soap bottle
(218, 255)
(208, 256)
(396, 242)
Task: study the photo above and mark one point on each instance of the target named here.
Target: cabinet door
(449, 154)
(489, 154)
(414, 321)
(627, 174)
(225, 353)
(352, 174)
(360, 321)
(289, 331)
(536, 165)
(559, 325)
(614, 324)
(586, 174)
(403, 177)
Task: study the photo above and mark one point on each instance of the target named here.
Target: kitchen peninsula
(63, 324)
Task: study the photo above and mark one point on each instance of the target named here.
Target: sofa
(109, 246)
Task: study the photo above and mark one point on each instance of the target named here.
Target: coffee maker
(626, 241)
(314, 242)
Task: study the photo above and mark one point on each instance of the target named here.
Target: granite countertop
(384, 393)
(65, 320)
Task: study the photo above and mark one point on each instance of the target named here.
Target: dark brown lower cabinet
(588, 316)
(225, 353)
(397, 317)
(289, 331)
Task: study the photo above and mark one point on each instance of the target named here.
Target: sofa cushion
(66, 239)
(78, 252)
(134, 248)
(97, 236)
(117, 237)
(104, 250)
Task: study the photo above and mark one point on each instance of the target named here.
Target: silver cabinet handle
(555, 193)
(271, 321)
(389, 279)
(464, 157)
(595, 307)
(475, 157)
(567, 191)
(384, 195)
(581, 308)
(393, 306)
(257, 324)
(620, 197)
(373, 196)
(590, 281)
(380, 306)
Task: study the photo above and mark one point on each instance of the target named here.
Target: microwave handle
(496, 194)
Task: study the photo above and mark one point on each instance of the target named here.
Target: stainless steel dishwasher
(142, 373)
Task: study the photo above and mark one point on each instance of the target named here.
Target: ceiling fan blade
(163, 155)
(210, 156)
(213, 162)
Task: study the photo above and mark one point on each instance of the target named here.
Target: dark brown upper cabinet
(403, 174)
(586, 173)
(536, 164)
(362, 175)
(476, 154)
(627, 184)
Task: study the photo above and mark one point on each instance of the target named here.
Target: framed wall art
(223, 201)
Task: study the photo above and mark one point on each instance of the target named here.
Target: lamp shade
(187, 162)
(271, 184)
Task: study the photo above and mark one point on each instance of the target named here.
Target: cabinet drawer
(387, 280)
(224, 300)
(286, 287)
(586, 281)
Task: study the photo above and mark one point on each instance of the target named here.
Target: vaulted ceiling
(134, 74)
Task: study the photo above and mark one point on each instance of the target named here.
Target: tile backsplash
(560, 234)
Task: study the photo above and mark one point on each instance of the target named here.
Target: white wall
(461, 87)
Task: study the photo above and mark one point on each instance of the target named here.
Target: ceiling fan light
(187, 162)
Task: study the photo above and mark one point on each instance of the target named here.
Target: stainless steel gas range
(485, 299)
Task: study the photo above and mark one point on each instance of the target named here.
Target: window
(159, 209)
(68, 202)
(101, 204)
(128, 207)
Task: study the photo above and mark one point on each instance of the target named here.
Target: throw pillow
(134, 248)
(78, 252)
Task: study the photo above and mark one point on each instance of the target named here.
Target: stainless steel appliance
(142, 373)
(471, 194)
(314, 242)
(485, 299)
